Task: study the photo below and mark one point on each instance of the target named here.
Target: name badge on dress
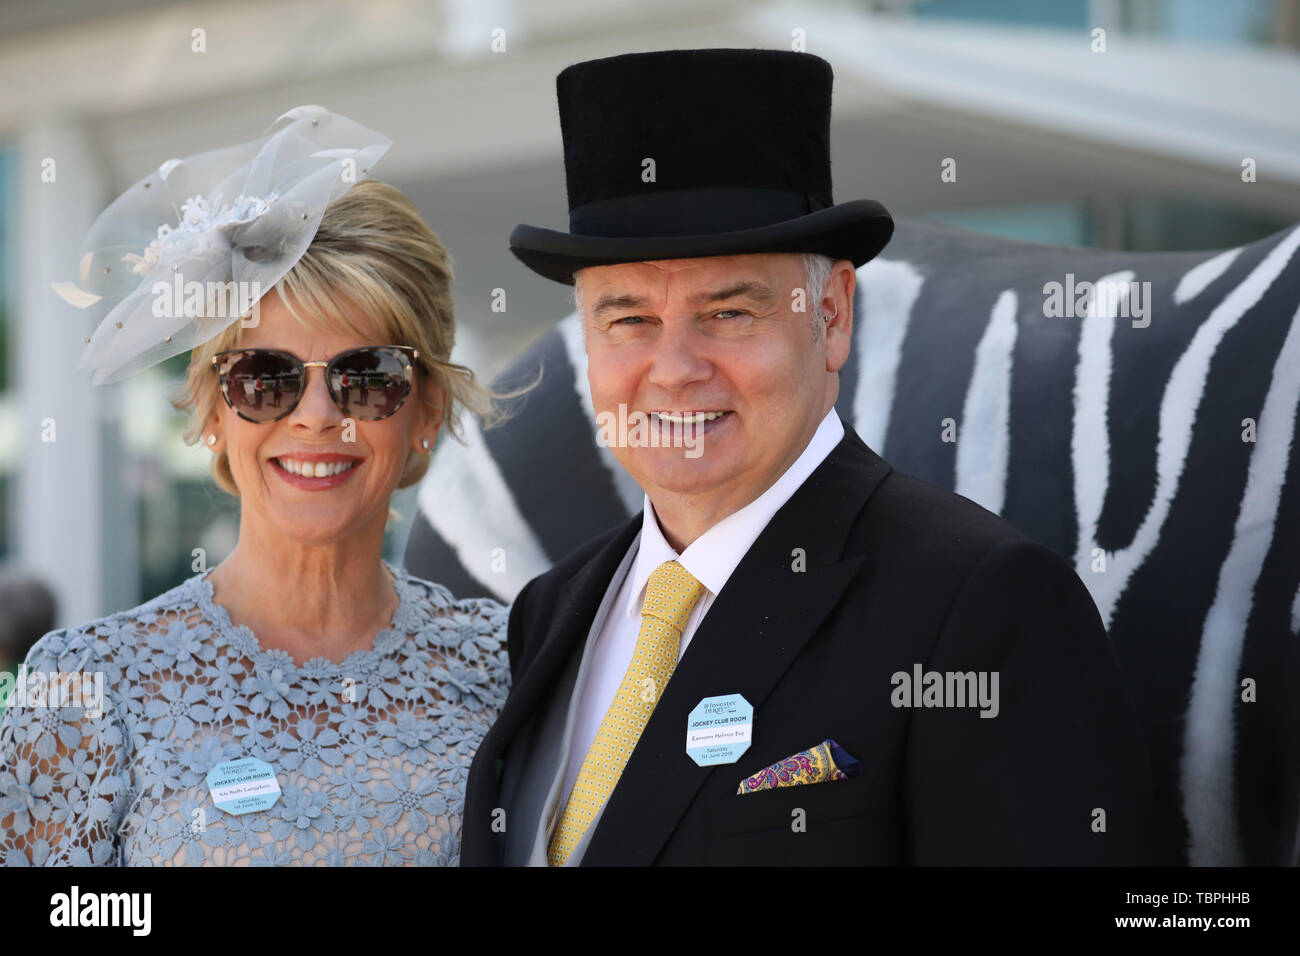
(243, 786)
(719, 730)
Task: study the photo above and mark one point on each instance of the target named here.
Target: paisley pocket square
(827, 761)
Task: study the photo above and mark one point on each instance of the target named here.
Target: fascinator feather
(188, 250)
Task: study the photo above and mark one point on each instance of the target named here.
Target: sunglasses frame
(406, 352)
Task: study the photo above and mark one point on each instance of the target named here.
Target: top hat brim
(856, 231)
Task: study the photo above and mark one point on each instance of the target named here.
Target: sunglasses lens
(261, 386)
(371, 383)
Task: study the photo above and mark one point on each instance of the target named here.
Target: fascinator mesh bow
(232, 220)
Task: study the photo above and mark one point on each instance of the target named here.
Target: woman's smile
(316, 472)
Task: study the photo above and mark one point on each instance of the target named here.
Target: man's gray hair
(816, 270)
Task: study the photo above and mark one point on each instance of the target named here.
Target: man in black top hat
(794, 654)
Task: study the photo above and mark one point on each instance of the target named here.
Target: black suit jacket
(898, 573)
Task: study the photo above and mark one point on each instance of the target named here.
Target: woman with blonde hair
(304, 701)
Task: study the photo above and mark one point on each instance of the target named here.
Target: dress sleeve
(63, 760)
(484, 654)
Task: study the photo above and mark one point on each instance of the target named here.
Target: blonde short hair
(372, 253)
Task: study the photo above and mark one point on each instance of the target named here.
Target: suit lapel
(756, 627)
(570, 621)
(567, 625)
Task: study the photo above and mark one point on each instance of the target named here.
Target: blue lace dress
(371, 753)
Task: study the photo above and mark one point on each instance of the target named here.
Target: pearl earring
(424, 442)
(212, 440)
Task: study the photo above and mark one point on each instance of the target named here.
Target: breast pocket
(811, 824)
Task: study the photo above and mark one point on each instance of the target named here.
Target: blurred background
(1136, 146)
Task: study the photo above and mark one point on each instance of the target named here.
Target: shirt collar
(713, 556)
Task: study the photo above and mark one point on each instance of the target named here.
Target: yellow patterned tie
(670, 595)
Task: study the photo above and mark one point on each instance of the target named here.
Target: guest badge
(243, 786)
(719, 730)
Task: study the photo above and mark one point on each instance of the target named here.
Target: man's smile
(689, 418)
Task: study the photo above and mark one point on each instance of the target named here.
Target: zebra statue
(1135, 412)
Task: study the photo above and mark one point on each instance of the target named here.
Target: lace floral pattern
(371, 753)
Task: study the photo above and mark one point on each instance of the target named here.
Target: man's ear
(837, 308)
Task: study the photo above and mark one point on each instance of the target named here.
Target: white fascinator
(188, 250)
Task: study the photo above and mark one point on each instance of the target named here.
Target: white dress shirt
(710, 558)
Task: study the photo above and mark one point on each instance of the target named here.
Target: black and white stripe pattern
(1094, 436)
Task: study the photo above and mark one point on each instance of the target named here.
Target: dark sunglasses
(264, 385)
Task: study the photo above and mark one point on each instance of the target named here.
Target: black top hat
(685, 153)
